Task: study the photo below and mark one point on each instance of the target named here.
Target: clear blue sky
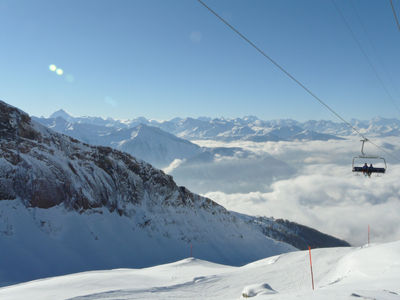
(166, 58)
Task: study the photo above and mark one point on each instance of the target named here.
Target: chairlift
(369, 161)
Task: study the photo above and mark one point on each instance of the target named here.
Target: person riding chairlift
(370, 169)
(365, 169)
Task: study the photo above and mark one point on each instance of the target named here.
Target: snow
(257, 289)
(369, 272)
(55, 241)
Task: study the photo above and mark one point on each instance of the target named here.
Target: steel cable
(293, 78)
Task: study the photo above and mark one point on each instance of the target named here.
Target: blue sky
(167, 58)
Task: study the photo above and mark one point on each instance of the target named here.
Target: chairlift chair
(368, 159)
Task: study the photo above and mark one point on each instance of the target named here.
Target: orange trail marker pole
(312, 275)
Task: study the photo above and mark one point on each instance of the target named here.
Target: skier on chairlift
(365, 169)
(370, 169)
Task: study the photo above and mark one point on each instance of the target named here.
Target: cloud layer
(323, 193)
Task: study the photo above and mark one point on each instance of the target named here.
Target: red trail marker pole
(312, 275)
(191, 250)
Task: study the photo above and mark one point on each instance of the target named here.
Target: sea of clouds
(313, 186)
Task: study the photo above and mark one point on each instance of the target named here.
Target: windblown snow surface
(369, 272)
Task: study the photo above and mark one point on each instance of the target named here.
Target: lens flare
(52, 68)
(59, 71)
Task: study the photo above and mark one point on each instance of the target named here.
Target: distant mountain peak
(61, 113)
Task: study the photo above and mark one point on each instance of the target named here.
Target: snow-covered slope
(66, 206)
(339, 273)
(292, 233)
(156, 146)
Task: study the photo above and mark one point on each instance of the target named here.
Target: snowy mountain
(161, 143)
(370, 272)
(377, 127)
(247, 128)
(62, 114)
(201, 168)
(109, 122)
(156, 146)
(148, 143)
(66, 206)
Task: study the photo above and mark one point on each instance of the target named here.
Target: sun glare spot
(59, 71)
(52, 68)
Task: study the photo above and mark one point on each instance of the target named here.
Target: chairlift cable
(395, 14)
(292, 77)
(281, 68)
(384, 150)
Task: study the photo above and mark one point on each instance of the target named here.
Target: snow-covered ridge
(51, 169)
(292, 233)
(370, 272)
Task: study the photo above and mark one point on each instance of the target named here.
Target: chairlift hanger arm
(362, 146)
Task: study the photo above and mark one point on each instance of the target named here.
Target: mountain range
(162, 142)
(67, 206)
(246, 128)
(202, 168)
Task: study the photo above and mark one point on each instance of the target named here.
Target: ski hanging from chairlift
(366, 169)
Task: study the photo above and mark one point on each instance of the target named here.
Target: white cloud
(323, 193)
(330, 199)
(173, 165)
(231, 174)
